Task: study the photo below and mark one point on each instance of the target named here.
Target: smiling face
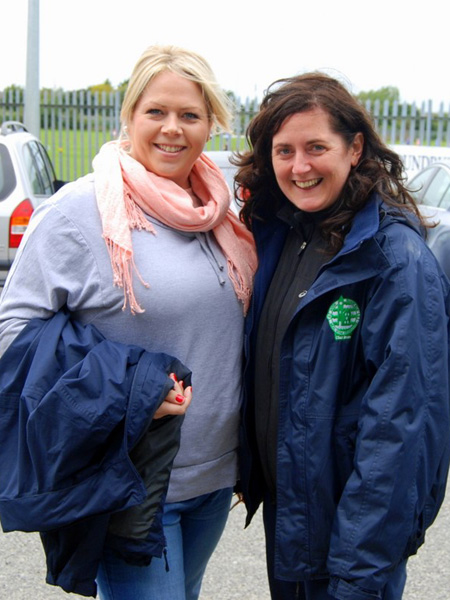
(311, 162)
(169, 127)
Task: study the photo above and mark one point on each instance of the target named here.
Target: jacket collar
(270, 236)
(365, 225)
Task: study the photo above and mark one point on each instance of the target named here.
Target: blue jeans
(192, 529)
(316, 589)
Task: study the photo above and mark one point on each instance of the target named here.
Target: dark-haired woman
(346, 419)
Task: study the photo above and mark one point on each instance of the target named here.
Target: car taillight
(18, 222)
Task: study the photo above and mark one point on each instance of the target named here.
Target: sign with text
(416, 158)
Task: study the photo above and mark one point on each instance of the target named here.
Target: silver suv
(27, 178)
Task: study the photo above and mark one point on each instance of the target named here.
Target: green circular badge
(343, 317)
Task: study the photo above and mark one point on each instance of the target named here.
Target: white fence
(75, 125)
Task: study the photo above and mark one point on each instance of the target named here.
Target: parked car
(27, 178)
(431, 185)
(222, 160)
(431, 189)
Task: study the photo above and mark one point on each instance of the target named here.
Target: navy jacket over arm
(75, 419)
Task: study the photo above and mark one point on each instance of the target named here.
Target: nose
(301, 163)
(171, 125)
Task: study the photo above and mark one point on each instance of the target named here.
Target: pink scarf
(126, 192)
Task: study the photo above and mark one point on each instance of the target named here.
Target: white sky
(249, 44)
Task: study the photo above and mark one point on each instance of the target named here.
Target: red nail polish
(179, 398)
(174, 377)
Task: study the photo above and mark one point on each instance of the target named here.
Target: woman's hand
(176, 401)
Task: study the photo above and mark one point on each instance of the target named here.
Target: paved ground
(236, 571)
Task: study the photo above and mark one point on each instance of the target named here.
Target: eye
(317, 148)
(282, 151)
(190, 116)
(154, 112)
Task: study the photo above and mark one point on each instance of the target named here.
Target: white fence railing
(75, 124)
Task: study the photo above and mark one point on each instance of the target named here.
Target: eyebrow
(162, 105)
(313, 141)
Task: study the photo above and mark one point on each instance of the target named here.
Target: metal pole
(32, 103)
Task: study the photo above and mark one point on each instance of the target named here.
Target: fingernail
(179, 398)
(174, 377)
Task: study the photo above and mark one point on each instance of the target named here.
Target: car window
(7, 175)
(445, 202)
(418, 185)
(48, 164)
(437, 189)
(40, 179)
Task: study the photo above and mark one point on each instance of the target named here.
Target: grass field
(72, 151)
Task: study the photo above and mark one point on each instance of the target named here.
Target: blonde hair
(186, 63)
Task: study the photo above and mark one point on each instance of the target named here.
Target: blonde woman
(147, 249)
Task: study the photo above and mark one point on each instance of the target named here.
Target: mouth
(169, 148)
(306, 185)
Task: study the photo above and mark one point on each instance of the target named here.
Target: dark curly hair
(379, 168)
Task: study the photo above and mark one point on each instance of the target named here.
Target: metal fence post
(75, 125)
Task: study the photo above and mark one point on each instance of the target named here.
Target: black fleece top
(303, 254)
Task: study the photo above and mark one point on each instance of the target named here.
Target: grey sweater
(191, 312)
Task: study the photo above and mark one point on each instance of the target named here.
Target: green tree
(389, 93)
(16, 95)
(102, 87)
(122, 87)
(13, 89)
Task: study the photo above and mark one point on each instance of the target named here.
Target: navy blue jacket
(364, 406)
(76, 423)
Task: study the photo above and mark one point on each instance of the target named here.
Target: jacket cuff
(344, 590)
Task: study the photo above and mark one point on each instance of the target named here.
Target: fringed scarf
(126, 192)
